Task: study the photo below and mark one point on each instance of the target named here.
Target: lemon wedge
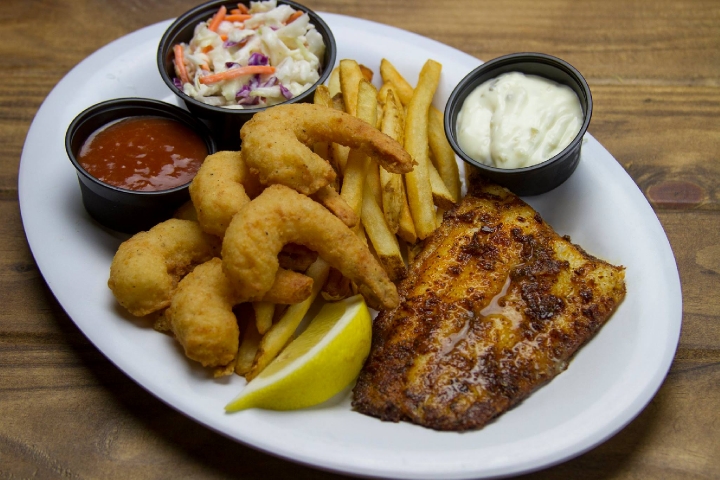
(318, 364)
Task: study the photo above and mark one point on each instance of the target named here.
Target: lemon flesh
(317, 365)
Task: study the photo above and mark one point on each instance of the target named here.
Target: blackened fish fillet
(494, 306)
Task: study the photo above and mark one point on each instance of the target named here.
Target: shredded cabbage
(294, 49)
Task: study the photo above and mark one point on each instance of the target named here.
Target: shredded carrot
(204, 67)
(236, 72)
(219, 16)
(237, 18)
(243, 8)
(294, 17)
(180, 64)
(207, 49)
(223, 37)
(235, 11)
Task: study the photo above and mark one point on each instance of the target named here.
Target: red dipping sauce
(143, 154)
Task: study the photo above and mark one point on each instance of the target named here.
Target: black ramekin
(544, 176)
(117, 208)
(225, 123)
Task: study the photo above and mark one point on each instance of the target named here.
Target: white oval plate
(606, 386)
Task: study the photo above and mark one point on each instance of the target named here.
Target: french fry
(383, 92)
(352, 185)
(391, 187)
(406, 227)
(389, 74)
(393, 124)
(382, 239)
(417, 181)
(350, 76)
(443, 153)
(441, 195)
(367, 73)
(248, 349)
(340, 155)
(439, 216)
(280, 333)
(322, 97)
(334, 82)
(264, 312)
(372, 182)
(366, 102)
(338, 102)
(357, 164)
(339, 152)
(393, 121)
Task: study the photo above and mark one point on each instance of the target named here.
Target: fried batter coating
(289, 287)
(281, 215)
(201, 311)
(276, 145)
(222, 186)
(332, 200)
(147, 267)
(201, 316)
(296, 257)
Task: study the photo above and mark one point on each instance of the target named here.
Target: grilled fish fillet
(494, 306)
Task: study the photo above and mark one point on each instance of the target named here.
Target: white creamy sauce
(518, 120)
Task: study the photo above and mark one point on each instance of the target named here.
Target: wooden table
(654, 69)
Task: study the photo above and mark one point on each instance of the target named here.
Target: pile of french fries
(396, 210)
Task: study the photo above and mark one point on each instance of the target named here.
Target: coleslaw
(250, 57)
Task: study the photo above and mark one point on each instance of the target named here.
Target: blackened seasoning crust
(494, 307)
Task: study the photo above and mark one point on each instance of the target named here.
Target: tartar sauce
(517, 120)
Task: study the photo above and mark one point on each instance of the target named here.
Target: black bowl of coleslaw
(225, 121)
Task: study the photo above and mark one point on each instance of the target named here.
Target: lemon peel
(317, 365)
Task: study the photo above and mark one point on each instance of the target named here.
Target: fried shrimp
(201, 315)
(289, 287)
(279, 216)
(276, 145)
(332, 200)
(201, 310)
(147, 267)
(222, 186)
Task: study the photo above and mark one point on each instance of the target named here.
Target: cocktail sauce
(143, 154)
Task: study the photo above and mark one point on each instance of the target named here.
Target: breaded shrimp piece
(281, 215)
(222, 186)
(201, 311)
(276, 145)
(289, 287)
(201, 316)
(332, 200)
(147, 267)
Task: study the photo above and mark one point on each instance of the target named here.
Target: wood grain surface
(654, 69)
